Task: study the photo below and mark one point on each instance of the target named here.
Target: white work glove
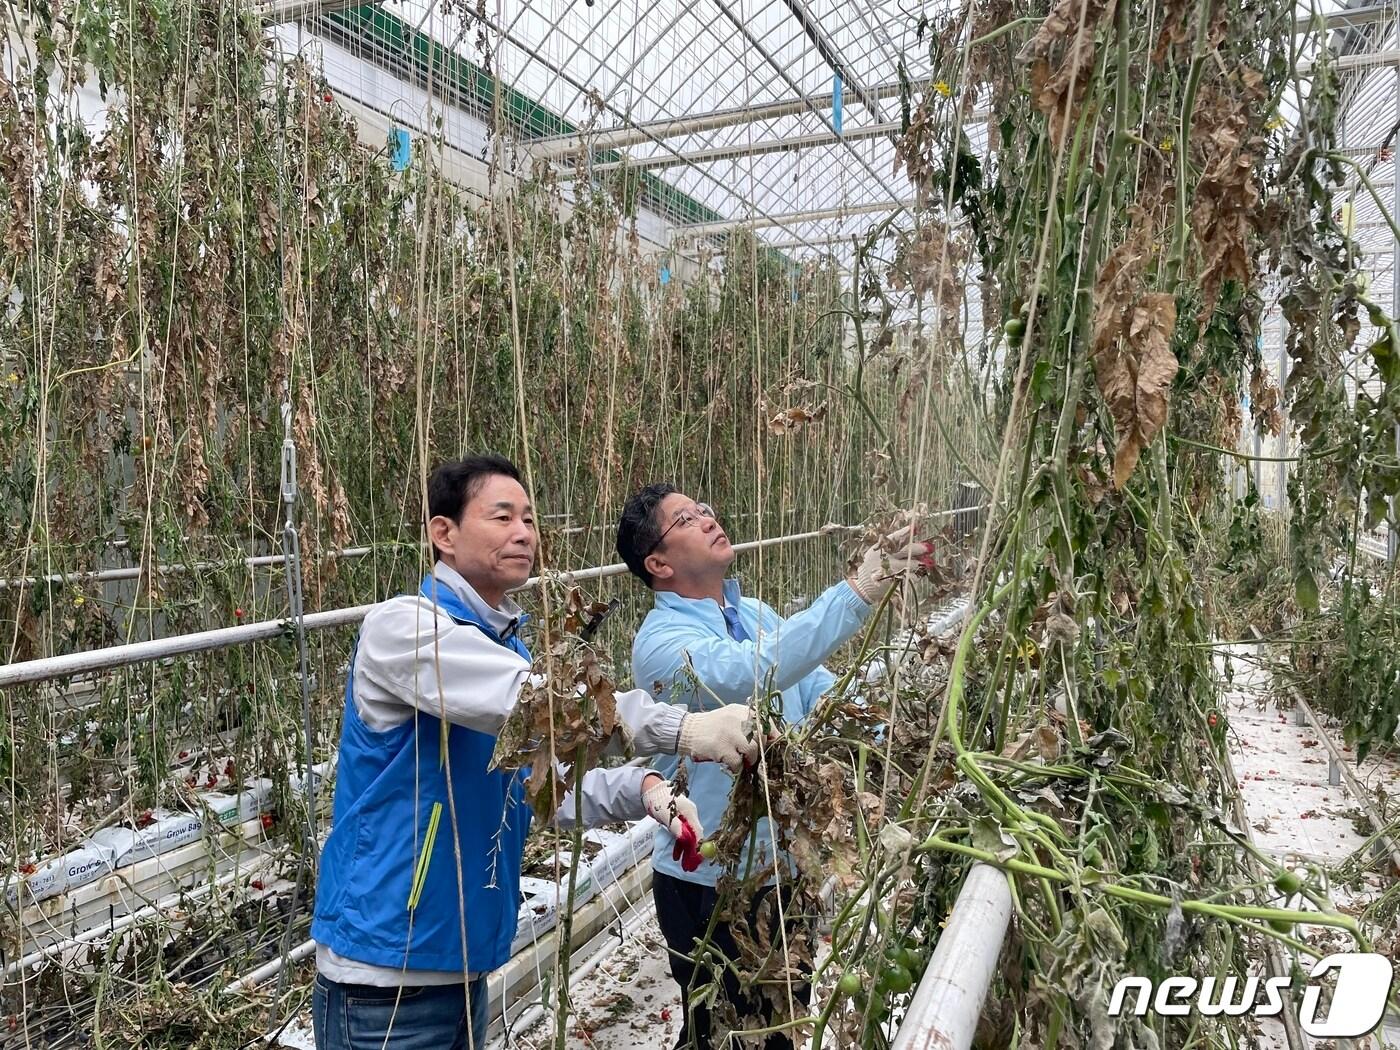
(884, 666)
(679, 815)
(884, 562)
(721, 735)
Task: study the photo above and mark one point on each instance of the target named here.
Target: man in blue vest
(707, 647)
(419, 883)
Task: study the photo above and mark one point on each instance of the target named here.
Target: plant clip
(596, 620)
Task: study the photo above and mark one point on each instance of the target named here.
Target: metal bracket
(291, 552)
(289, 460)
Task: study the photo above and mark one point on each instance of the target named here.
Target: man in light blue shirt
(704, 645)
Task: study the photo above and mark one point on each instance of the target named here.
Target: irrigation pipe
(156, 908)
(948, 1002)
(47, 668)
(270, 969)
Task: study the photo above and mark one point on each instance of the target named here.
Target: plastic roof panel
(616, 64)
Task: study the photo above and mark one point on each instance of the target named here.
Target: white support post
(948, 1002)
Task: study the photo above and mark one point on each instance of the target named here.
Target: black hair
(638, 532)
(452, 485)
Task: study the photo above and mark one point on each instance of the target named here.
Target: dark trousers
(683, 911)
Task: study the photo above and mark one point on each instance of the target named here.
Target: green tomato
(905, 957)
(849, 984)
(896, 978)
(1288, 882)
(1305, 591)
(709, 850)
(1281, 925)
(1015, 329)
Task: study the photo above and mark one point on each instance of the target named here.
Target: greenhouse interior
(771, 524)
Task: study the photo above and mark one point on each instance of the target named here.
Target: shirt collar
(704, 607)
(503, 620)
(731, 593)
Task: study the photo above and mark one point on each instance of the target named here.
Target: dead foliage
(1264, 402)
(1226, 145)
(1133, 361)
(1061, 59)
(803, 407)
(932, 264)
(566, 717)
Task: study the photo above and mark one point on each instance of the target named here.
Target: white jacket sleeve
(409, 658)
(609, 795)
(656, 726)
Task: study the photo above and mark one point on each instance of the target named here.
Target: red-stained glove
(677, 813)
(886, 561)
(687, 849)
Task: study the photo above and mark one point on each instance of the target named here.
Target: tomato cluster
(894, 974)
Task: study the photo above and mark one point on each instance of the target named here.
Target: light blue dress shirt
(685, 654)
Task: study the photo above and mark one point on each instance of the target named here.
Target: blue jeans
(431, 1017)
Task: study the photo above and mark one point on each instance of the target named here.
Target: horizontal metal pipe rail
(114, 656)
(133, 572)
(259, 561)
(111, 657)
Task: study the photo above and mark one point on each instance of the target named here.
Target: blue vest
(388, 891)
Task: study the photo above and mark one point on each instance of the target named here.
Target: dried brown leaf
(1136, 380)
(1061, 59)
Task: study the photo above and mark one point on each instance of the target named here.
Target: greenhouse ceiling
(775, 114)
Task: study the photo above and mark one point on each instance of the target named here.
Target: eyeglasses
(685, 519)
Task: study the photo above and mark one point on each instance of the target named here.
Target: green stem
(1188, 107)
(1228, 912)
(1206, 446)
